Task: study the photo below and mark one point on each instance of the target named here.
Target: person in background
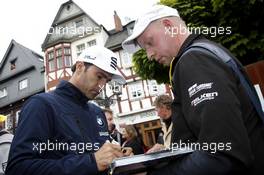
(114, 133)
(131, 140)
(163, 107)
(5, 143)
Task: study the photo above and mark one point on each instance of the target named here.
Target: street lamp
(104, 100)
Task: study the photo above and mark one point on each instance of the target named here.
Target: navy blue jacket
(57, 134)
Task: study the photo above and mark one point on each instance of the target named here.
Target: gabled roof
(56, 22)
(116, 38)
(31, 58)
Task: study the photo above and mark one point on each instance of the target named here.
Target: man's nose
(158, 112)
(102, 83)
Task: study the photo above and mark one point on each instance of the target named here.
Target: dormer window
(68, 7)
(79, 23)
(13, 64)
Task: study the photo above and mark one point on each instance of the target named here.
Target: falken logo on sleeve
(197, 88)
(204, 97)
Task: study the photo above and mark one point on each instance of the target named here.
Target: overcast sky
(28, 21)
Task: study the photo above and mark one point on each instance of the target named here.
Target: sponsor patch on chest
(197, 88)
(204, 97)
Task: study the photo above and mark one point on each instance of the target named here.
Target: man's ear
(79, 66)
(166, 22)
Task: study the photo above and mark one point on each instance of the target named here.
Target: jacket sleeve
(210, 103)
(35, 126)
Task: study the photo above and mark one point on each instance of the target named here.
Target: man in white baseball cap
(104, 59)
(152, 14)
(211, 107)
(103, 63)
(66, 117)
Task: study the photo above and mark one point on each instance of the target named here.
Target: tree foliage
(243, 18)
(147, 69)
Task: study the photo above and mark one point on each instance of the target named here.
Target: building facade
(21, 76)
(71, 32)
(135, 105)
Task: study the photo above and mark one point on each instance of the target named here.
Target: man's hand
(105, 155)
(156, 147)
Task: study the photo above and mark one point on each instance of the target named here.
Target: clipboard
(142, 162)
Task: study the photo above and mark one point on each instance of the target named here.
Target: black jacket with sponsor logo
(57, 134)
(213, 114)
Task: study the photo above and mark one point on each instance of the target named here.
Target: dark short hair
(163, 100)
(87, 65)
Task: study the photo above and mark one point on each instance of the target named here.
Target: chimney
(118, 24)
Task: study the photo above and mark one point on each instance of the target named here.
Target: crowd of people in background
(129, 136)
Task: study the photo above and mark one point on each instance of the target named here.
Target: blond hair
(131, 131)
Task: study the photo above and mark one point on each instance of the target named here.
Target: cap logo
(89, 57)
(113, 63)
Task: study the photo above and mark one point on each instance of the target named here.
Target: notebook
(142, 162)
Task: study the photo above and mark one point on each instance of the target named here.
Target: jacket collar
(189, 40)
(67, 89)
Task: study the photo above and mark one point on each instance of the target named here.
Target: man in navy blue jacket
(60, 132)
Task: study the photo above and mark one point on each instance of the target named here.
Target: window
(136, 90)
(146, 125)
(67, 51)
(3, 92)
(68, 61)
(126, 59)
(23, 84)
(17, 117)
(80, 48)
(13, 64)
(68, 7)
(62, 30)
(51, 61)
(59, 62)
(59, 58)
(58, 52)
(153, 87)
(9, 122)
(154, 123)
(79, 23)
(67, 57)
(91, 43)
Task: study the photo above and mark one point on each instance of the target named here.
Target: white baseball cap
(104, 59)
(154, 13)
